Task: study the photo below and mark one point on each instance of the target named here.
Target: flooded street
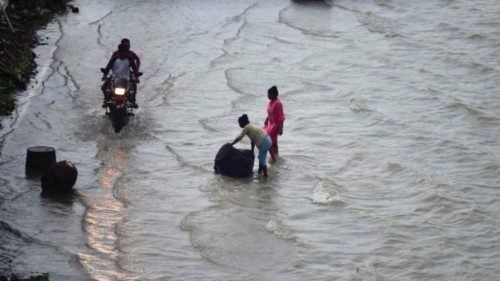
(389, 164)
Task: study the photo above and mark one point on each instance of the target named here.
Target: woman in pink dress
(274, 121)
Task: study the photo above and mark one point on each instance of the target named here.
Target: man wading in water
(258, 137)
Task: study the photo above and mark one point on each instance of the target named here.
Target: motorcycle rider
(126, 43)
(121, 64)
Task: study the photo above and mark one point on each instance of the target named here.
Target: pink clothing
(275, 119)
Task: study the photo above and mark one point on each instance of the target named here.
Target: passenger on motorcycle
(121, 64)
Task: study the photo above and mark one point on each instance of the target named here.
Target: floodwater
(389, 163)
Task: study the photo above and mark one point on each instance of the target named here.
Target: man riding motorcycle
(126, 43)
(121, 64)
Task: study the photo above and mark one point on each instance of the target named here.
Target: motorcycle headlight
(119, 91)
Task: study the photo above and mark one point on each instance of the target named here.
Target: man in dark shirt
(121, 54)
(120, 62)
(126, 44)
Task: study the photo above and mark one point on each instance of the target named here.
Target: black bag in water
(233, 162)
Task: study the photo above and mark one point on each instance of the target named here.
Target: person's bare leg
(273, 156)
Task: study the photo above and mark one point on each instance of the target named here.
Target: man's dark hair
(243, 120)
(121, 48)
(124, 41)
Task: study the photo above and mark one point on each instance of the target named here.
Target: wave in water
(278, 227)
(327, 192)
(379, 24)
(358, 105)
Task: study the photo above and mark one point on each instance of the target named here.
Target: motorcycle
(118, 107)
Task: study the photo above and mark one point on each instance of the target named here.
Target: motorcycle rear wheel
(118, 119)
